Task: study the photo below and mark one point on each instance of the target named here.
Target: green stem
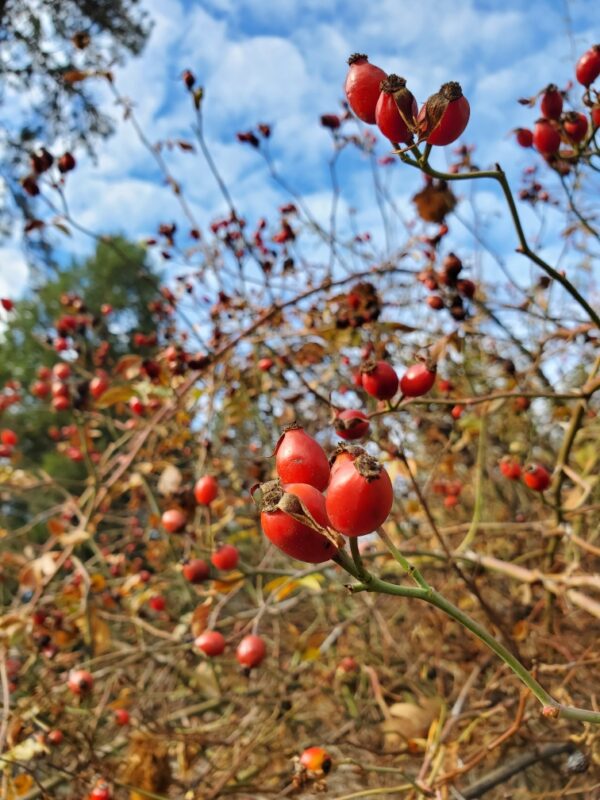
(479, 467)
(552, 707)
(409, 568)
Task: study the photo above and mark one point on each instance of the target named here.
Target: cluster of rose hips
(380, 380)
(571, 130)
(41, 161)
(251, 650)
(535, 476)
(376, 97)
(448, 290)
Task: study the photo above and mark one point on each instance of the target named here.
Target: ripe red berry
(417, 380)
(251, 651)
(265, 364)
(348, 664)
(357, 379)
(510, 468)
(196, 570)
(61, 403)
(546, 138)
(205, 490)
(226, 557)
(536, 477)
(351, 424)
(287, 532)
(445, 115)
(588, 66)
(122, 716)
(316, 759)
(61, 371)
(379, 379)
(552, 102)
(435, 301)
(99, 385)
(300, 459)
(136, 406)
(40, 389)
(101, 791)
(174, 520)
(576, 126)
(457, 411)
(66, 162)
(30, 186)
(451, 500)
(359, 497)
(362, 86)
(396, 110)
(80, 681)
(524, 137)
(7, 304)
(188, 78)
(8, 437)
(212, 643)
(157, 602)
(55, 736)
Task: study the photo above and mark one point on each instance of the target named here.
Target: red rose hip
(362, 86)
(417, 380)
(360, 496)
(300, 459)
(212, 643)
(205, 490)
(281, 520)
(251, 651)
(379, 379)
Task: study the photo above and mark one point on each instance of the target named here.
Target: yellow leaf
(282, 587)
(116, 394)
(311, 654)
(97, 582)
(312, 582)
(227, 585)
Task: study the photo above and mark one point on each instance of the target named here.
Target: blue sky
(284, 63)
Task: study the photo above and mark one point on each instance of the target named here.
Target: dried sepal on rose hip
(396, 110)
(294, 518)
(362, 86)
(360, 494)
(444, 116)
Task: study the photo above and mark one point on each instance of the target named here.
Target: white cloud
(14, 271)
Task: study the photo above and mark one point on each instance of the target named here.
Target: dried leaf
(170, 480)
(116, 394)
